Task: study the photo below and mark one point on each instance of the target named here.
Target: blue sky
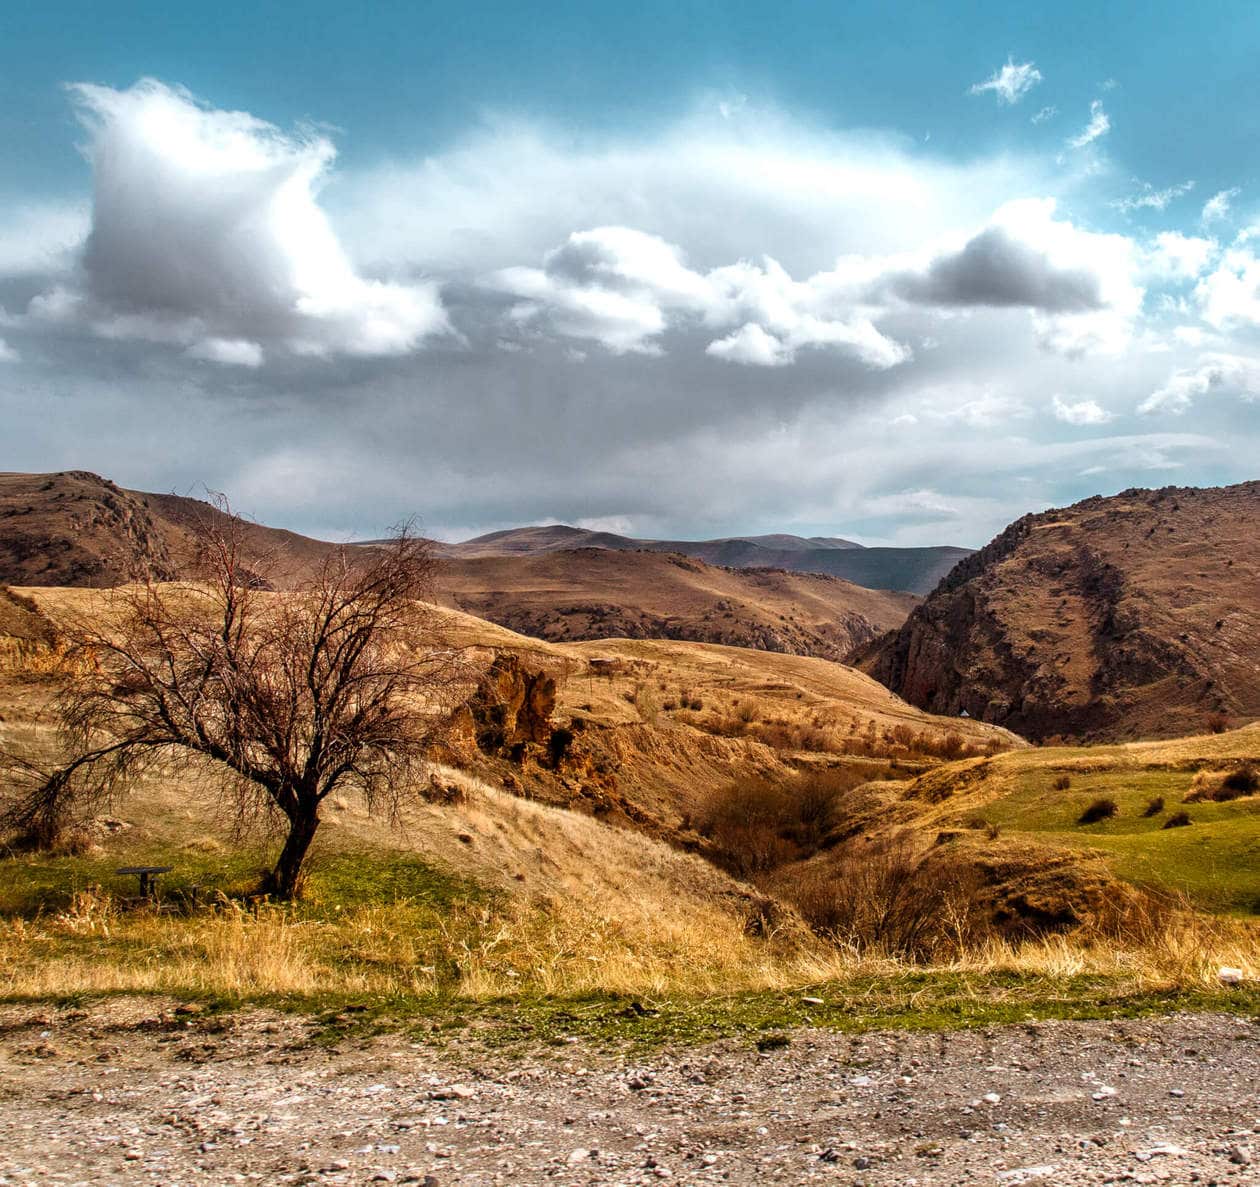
(900, 272)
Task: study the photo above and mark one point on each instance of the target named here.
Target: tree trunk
(285, 880)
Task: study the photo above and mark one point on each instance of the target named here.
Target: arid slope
(594, 593)
(75, 528)
(1131, 616)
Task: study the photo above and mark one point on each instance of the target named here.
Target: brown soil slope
(594, 593)
(1131, 616)
(75, 528)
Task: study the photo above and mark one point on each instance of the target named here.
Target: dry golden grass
(561, 949)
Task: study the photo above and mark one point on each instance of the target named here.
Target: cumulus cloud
(751, 344)
(1214, 372)
(7, 353)
(1218, 206)
(1081, 412)
(623, 288)
(996, 268)
(1229, 295)
(1099, 125)
(1011, 83)
(206, 232)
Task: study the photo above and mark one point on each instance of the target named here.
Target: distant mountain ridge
(914, 570)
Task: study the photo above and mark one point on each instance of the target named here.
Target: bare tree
(337, 685)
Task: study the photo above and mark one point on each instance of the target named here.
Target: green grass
(928, 1000)
(36, 884)
(1215, 860)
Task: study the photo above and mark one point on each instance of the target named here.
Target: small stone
(453, 1092)
(578, 1155)
(709, 1159)
(812, 1001)
(861, 1163)
(1240, 1155)
(337, 1164)
(992, 1098)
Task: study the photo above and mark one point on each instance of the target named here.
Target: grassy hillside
(1043, 795)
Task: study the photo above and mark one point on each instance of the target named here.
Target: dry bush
(1178, 820)
(1062, 783)
(1153, 807)
(1222, 786)
(757, 824)
(890, 898)
(1217, 723)
(1103, 808)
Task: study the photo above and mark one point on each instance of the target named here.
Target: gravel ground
(125, 1095)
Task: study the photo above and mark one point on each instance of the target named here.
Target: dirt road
(124, 1094)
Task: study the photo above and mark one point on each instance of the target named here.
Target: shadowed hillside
(594, 593)
(1131, 616)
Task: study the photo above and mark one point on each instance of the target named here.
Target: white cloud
(231, 352)
(1218, 206)
(752, 345)
(1082, 412)
(1230, 294)
(1149, 198)
(205, 227)
(1099, 125)
(1046, 113)
(7, 353)
(1011, 83)
(623, 288)
(1179, 257)
(1214, 372)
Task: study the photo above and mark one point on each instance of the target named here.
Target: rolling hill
(594, 593)
(1132, 616)
(915, 570)
(77, 529)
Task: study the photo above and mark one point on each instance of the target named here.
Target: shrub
(1101, 809)
(1243, 781)
(889, 898)
(1217, 723)
(757, 824)
(1154, 807)
(1178, 820)
(1062, 783)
